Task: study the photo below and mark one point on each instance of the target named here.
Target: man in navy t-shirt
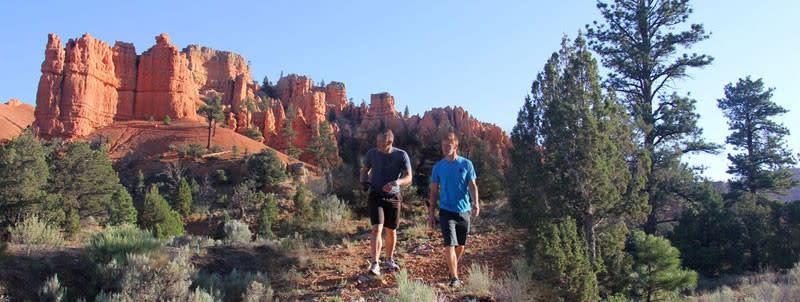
(385, 169)
(453, 185)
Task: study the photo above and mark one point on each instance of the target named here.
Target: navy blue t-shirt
(386, 168)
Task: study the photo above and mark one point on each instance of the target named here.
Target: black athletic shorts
(455, 227)
(384, 209)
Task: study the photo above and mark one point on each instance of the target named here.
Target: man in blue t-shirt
(385, 169)
(453, 185)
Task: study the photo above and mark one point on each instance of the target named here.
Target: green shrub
(237, 233)
(221, 176)
(116, 242)
(253, 133)
(192, 150)
(258, 292)
(265, 167)
(167, 120)
(235, 151)
(516, 286)
(51, 290)
(330, 210)
(480, 281)
(159, 217)
(145, 278)
(303, 209)
(233, 286)
(412, 290)
(267, 215)
(33, 231)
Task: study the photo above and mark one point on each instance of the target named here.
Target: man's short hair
(386, 133)
(451, 137)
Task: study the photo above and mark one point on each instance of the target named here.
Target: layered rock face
(82, 95)
(222, 72)
(164, 85)
(126, 69)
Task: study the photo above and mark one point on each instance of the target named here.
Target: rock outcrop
(223, 72)
(82, 96)
(164, 85)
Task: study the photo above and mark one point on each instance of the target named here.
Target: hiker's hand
(389, 186)
(364, 186)
(431, 221)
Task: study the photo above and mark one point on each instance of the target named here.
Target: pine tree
(288, 132)
(212, 111)
(265, 168)
(121, 209)
(158, 217)
(657, 273)
(23, 177)
(83, 179)
(406, 113)
(763, 162)
(267, 215)
(183, 198)
(639, 42)
(571, 142)
(559, 258)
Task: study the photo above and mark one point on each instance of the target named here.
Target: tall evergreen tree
(212, 111)
(289, 134)
(84, 180)
(573, 143)
(23, 177)
(639, 42)
(763, 162)
(183, 198)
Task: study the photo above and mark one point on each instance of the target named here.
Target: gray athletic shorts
(455, 227)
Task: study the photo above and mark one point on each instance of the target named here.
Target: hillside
(14, 116)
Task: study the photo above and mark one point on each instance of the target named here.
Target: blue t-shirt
(386, 168)
(453, 178)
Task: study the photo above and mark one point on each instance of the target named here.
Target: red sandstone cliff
(164, 85)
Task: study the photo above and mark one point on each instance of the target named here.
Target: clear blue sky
(481, 55)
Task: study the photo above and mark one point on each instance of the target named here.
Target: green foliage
(657, 272)
(265, 168)
(192, 150)
(412, 290)
(159, 217)
(560, 260)
(571, 145)
(489, 169)
(51, 290)
(641, 42)
(245, 196)
(167, 120)
(212, 111)
(330, 210)
(233, 286)
(302, 205)
(763, 162)
(116, 242)
(267, 216)
(121, 209)
(258, 292)
(235, 151)
(323, 147)
(33, 231)
(183, 198)
(23, 177)
(145, 278)
(480, 280)
(254, 134)
(237, 232)
(220, 176)
(83, 182)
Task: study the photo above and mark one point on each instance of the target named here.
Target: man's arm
(364, 179)
(405, 178)
(433, 198)
(473, 192)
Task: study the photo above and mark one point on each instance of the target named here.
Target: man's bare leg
(391, 235)
(452, 261)
(376, 242)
